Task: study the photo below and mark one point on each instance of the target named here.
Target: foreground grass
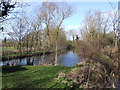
(34, 76)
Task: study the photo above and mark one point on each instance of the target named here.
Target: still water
(68, 59)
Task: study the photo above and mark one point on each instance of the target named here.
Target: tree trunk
(20, 48)
(113, 84)
(56, 56)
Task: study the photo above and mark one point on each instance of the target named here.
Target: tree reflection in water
(69, 58)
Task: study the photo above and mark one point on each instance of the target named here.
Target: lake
(69, 58)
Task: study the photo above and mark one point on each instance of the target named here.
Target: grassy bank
(9, 53)
(34, 76)
(25, 54)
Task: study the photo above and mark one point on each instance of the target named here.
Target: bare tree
(63, 11)
(53, 16)
(18, 32)
(6, 6)
(97, 46)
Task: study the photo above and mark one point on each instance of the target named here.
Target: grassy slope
(34, 76)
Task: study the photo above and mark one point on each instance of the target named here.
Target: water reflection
(67, 59)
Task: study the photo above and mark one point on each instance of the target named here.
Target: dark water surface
(68, 59)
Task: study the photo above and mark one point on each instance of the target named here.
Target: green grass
(34, 76)
(9, 48)
(24, 53)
